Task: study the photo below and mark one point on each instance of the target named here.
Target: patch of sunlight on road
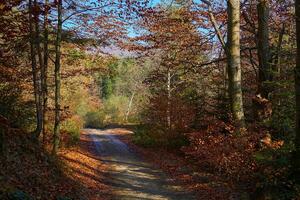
(134, 171)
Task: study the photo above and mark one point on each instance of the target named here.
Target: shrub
(159, 131)
(253, 159)
(19, 195)
(95, 119)
(115, 108)
(72, 127)
(274, 173)
(148, 136)
(142, 138)
(229, 155)
(181, 114)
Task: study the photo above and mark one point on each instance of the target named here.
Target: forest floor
(28, 172)
(85, 166)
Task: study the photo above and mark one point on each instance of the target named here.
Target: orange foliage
(228, 155)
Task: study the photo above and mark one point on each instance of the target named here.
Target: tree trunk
(36, 85)
(45, 70)
(234, 63)
(265, 72)
(40, 76)
(129, 106)
(296, 159)
(276, 61)
(169, 100)
(4, 131)
(1, 141)
(56, 136)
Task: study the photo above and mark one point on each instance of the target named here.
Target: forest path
(131, 177)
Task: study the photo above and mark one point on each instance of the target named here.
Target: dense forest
(212, 87)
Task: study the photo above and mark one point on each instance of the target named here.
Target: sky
(70, 24)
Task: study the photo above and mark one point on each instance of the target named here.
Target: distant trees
(39, 43)
(175, 48)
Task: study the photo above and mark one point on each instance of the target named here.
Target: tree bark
(56, 136)
(234, 63)
(45, 70)
(296, 158)
(265, 72)
(129, 106)
(276, 61)
(1, 141)
(169, 100)
(36, 85)
(40, 76)
(4, 131)
(232, 50)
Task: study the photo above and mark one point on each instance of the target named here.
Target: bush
(226, 154)
(274, 174)
(148, 136)
(113, 112)
(19, 195)
(115, 109)
(158, 131)
(95, 119)
(72, 127)
(181, 114)
(142, 138)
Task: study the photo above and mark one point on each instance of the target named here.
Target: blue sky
(155, 1)
(69, 24)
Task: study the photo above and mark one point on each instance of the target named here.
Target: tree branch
(85, 10)
(215, 25)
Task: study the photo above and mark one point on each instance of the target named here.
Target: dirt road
(131, 177)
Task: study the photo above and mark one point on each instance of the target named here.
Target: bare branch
(215, 25)
(85, 10)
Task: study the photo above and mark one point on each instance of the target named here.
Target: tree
(234, 63)
(175, 46)
(45, 67)
(34, 43)
(263, 48)
(232, 50)
(57, 75)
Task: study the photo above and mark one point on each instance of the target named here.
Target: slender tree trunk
(265, 72)
(34, 72)
(4, 131)
(129, 106)
(1, 141)
(276, 63)
(45, 70)
(234, 63)
(296, 159)
(56, 136)
(40, 76)
(169, 100)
